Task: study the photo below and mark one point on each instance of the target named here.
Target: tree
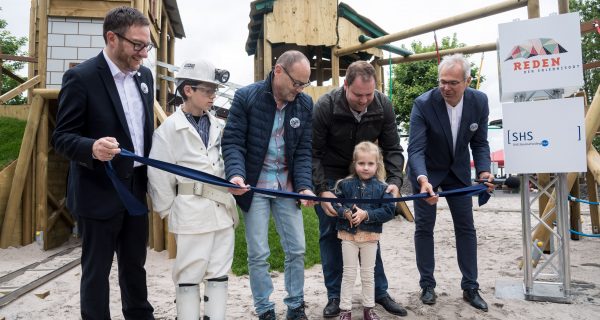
(11, 45)
(590, 47)
(412, 79)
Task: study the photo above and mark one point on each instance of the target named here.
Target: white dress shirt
(133, 107)
(455, 114)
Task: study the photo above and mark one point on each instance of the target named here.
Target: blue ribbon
(134, 206)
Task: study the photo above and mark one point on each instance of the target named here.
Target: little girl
(359, 226)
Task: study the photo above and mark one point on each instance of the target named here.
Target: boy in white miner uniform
(201, 216)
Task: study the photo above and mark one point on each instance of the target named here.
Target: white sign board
(540, 54)
(544, 136)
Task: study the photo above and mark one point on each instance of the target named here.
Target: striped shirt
(202, 125)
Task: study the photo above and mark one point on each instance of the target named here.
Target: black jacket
(336, 132)
(89, 109)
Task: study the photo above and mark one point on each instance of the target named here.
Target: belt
(218, 194)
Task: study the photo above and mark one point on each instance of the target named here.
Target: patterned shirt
(202, 125)
(274, 173)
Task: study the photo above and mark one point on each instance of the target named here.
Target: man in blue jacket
(444, 123)
(267, 143)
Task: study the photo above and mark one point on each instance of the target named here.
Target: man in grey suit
(444, 123)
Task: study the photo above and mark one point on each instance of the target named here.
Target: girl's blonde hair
(369, 147)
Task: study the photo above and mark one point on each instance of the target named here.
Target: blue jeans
(290, 227)
(332, 261)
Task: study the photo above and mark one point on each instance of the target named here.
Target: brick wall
(70, 40)
(74, 40)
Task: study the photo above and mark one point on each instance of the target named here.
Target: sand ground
(500, 249)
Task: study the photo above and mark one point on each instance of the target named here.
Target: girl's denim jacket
(355, 188)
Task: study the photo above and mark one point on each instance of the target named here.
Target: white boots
(215, 300)
(188, 302)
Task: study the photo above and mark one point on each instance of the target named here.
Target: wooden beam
(433, 54)
(83, 9)
(11, 75)
(335, 69)
(46, 93)
(443, 23)
(16, 192)
(41, 171)
(589, 26)
(162, 56)
(563, 6)
(11, 57)
(19, 89)
(592, 190)
(533, 9)
(42, 45)
(591, 65)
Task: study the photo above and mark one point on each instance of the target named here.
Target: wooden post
(158, 231)
(16, 193)
(268, 57)
(42, 41)
(592, 190)
(171, 245)
(563, 6)
(259, 61)
(150, 220)
(319, 66)
(171, 60)
(32, 44)
(533, 9)
(162, 56)
(28, 231)
(575, 209)
(41, 173)
(335, 68)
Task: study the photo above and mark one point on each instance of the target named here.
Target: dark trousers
(461, 209)
(101, 238)
(332, 262)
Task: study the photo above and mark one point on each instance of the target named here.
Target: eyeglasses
(137, 46)
(206, 91)
(452, 83)
(297, 83)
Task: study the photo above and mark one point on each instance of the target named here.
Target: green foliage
(589, 10)
(11, 45)
(11, 133)
(311, 233)
(413, 79)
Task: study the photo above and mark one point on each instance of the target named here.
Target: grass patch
(311, 233)
(11, 135)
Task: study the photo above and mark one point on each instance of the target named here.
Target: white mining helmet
(200, 70)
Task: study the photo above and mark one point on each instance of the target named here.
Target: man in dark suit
(444, 123)
(106, 103)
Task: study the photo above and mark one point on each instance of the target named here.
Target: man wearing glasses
(444, 123)
(105, 103)
(267, 144)
(343, 118)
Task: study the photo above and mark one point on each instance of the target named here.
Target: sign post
(540, 61)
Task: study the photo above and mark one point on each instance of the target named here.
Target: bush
(11, 133)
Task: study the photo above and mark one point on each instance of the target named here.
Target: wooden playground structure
(32, 189)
